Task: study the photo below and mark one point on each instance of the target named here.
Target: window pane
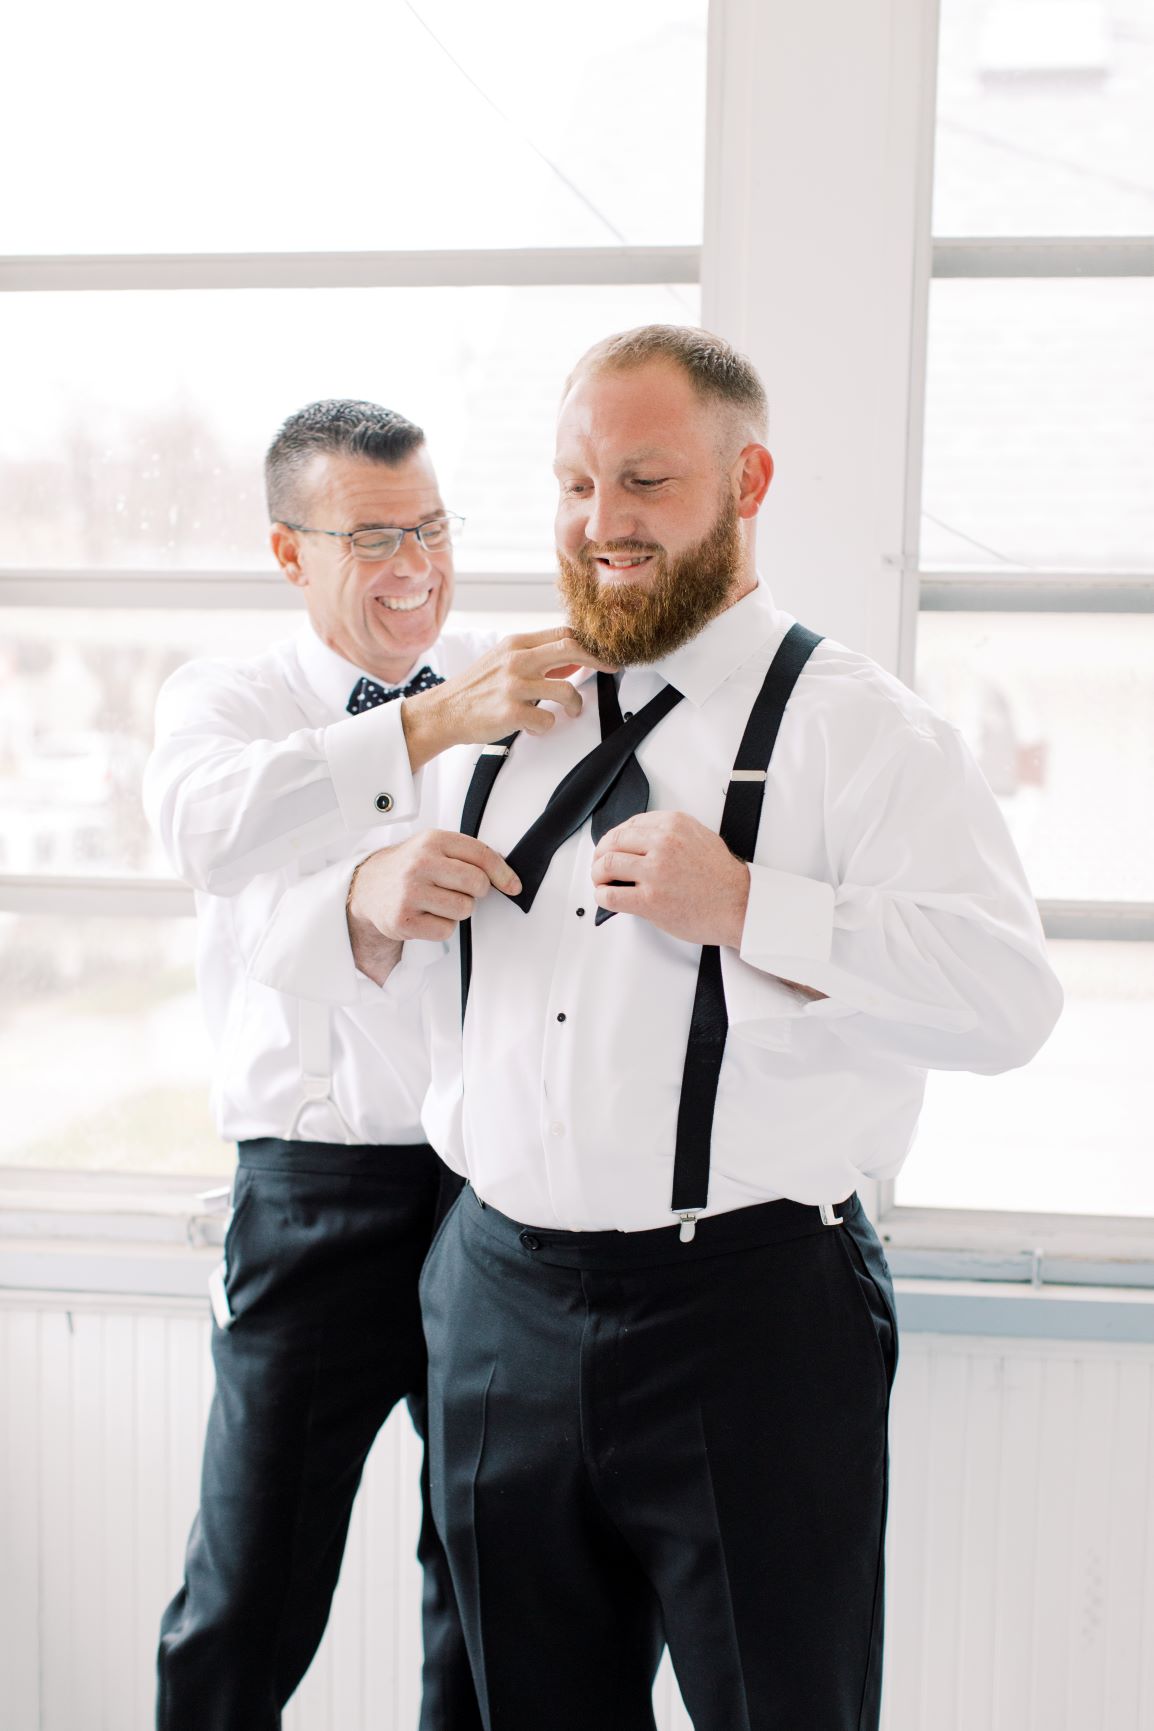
(1045, 118)
(361, 128)
(136, 423)
(1059, 711)
(107, 1064)
(1039, 444)
(1070, 1133)
(76, 717)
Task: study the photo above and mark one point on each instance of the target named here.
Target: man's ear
(286, 551)
(754, 472)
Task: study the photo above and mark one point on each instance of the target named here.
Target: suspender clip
(828, 1217)
(748, 775)
(688, 1227)
(494, 751)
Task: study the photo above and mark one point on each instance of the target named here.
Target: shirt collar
(332, 678)
(700, 666)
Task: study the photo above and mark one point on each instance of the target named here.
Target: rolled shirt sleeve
(925, 938)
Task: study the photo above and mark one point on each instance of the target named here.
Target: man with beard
(760, 890)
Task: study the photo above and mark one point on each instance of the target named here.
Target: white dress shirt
(883, 876)
(260, 777)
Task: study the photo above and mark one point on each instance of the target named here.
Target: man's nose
(411, 559)
(610, 519)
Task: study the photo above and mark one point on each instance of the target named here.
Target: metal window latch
(828, 1217)
(688, 1226)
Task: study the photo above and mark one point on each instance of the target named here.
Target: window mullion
(981, 258)
(516, 267)
(1040, 592)
(501, 592)
(1098, 922)
(153, 898)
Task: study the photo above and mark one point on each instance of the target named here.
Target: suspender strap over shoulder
(709, 1025)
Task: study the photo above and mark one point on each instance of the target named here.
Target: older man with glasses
(265, 772)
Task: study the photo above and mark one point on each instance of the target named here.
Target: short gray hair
(339, 424)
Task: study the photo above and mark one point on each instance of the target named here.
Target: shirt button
(580, 913)
(560, 1015)
(384, 802)
(628, 716)
(530, 1241)
(556, 1129)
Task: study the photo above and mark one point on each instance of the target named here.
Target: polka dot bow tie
(366, 693)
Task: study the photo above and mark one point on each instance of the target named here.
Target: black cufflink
(384, 802)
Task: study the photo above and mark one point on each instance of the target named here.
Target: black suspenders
(709, 1024)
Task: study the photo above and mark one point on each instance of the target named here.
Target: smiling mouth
(403, 603)
(623, 561)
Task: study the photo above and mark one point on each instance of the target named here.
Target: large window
(305, 220)
(436, 205)
(1036, 634)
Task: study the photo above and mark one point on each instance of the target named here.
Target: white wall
(1021, 1544)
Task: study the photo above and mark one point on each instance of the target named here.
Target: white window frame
(833, 308)
(994, 1245)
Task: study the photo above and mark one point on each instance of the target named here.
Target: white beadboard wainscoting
(1021, 1547)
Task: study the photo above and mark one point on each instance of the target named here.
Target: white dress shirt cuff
(368, 759)
(305, 949)
(788, 927)
(408, 978)
(787, 916)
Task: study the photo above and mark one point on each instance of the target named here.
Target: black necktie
(366, 693)
(590, 786)
(629, 794)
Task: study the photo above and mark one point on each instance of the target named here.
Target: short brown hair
(714, 367)
(337, 424)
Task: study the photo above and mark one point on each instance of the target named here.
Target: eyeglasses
(434, 536)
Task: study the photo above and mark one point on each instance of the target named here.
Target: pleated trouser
(635, 1441)
(323, 1253)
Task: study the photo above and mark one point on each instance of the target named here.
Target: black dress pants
(323, 1254)
(634, 1440)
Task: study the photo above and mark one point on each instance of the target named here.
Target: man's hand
(680, 876)
(677, 874)
(419, 889)
(499, 694)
